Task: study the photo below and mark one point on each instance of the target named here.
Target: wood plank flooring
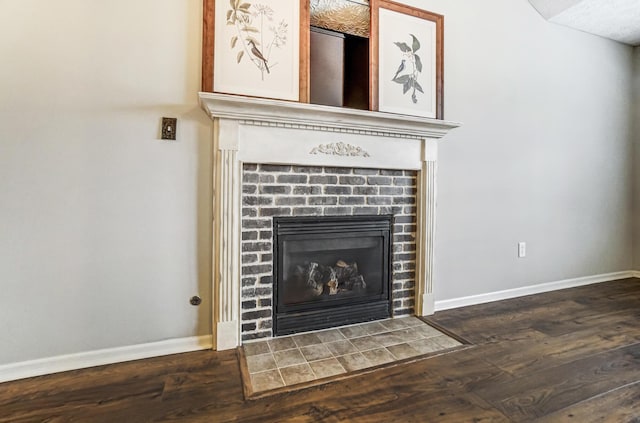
(565, 356)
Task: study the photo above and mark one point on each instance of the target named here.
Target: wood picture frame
(398, 85)
(234, 34)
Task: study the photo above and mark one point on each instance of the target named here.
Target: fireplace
(330, 271)
(278, 191)
(252, 131)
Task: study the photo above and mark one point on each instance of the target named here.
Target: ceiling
(618, 20)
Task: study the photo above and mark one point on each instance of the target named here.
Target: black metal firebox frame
(288, 319)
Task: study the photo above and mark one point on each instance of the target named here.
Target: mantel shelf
(291, 113)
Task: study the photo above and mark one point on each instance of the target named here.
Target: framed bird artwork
(407, 60)
(256, 48)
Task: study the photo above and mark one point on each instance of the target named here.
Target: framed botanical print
(256, 48)
(407, 60)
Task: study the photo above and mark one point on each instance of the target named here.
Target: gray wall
(543, 156)
(104, 229)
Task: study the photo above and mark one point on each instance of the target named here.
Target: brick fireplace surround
(276, 158)
(276, 190)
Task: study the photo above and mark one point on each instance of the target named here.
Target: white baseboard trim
(63, 363)
(532, 289)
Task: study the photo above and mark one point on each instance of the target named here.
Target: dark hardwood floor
(571, 355)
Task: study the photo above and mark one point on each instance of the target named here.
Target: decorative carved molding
(328, 128)
(340, 149)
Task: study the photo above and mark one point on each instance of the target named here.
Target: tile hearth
(291, 360)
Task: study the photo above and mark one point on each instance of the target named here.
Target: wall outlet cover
(522, 249)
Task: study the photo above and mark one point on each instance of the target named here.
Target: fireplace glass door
(330, 271)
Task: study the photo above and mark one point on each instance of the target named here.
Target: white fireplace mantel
(290, 113)
(254, 130)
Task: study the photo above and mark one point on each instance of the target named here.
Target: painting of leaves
(410, 68)
(256, 34)
(409, 60)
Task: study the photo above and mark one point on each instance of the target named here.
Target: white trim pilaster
(226, 240)
(426, 224)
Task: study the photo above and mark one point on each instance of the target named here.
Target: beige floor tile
(394, 324)
(327, 368)
(378, 356)
(354, 331)
(297, 374)
(316, 352)
(425, 346)
(386, 339)
(260, 363)
(427, 331)
(288, 358)
(365, 343)
(402, 351)
(341, 347)
(330, 335)
(307, 339)
(279, 344)
(256, 348)
(266, 380)
(374, 328)
(411, 321)
(353, 362)
(409, 334)
(446, 341)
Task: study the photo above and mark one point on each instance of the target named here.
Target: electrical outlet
(522, 249)
(169, 128)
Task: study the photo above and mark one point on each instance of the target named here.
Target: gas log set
(321, 279)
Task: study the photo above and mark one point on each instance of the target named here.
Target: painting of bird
(400, 69)
(258, 55)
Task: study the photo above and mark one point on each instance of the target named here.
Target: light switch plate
(169, 126)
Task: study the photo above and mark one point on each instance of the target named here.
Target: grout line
(280, 374)
(315, 376)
